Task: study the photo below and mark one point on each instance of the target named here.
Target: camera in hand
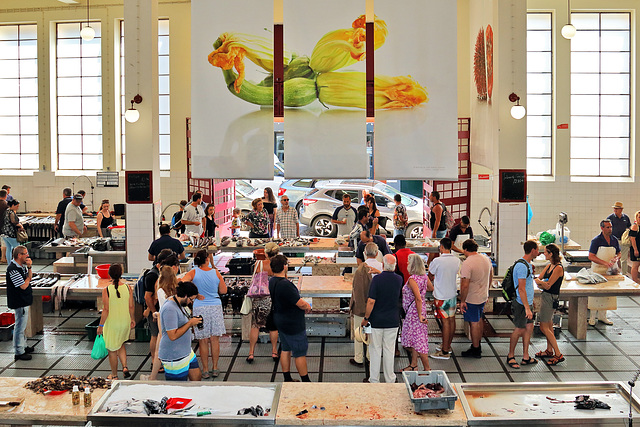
(199, 325)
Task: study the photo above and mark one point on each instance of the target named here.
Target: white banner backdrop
(230, 137)
(419, 142)
(326, 141)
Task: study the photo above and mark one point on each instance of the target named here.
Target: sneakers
(28, 349)
(23, 356)
(472, 352)
(441, 355)
(439, 347)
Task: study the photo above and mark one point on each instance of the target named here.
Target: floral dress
(260, 221)
(414, 333)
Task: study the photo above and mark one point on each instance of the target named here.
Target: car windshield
(389, 191)
(244, 187)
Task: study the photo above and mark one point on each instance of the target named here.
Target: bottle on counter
(75, 395)
(87, 397)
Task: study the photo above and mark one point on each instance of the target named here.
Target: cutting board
(610, 278)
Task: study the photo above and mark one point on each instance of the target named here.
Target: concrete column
(141, 77)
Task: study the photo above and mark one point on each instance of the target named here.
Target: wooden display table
(325, 291)
(358, 404)
(326, 267)
(39, 409)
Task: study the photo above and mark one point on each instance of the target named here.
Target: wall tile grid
(140, 229)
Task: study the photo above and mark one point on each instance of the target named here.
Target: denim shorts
(474, 312)
(297, 344)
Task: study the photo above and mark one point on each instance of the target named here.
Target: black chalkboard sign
(139, 186)
(513, 185)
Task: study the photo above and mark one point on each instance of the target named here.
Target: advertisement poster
(416, 130)
(325, 89)
(231, 113)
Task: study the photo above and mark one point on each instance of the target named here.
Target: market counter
(39, 409)
(357, 404)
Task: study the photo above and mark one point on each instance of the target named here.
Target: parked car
(318, 206)
(245, 193)
(278, 178)
(297, 189)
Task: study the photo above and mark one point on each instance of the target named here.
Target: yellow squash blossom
(348, 89)
(232, 48)
(341, 48)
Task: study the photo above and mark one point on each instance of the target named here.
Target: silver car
(297, 189)
(318, 206)
(245, 193)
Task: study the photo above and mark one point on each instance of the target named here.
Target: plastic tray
(447, 400)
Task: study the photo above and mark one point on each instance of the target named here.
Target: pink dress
(414, 333)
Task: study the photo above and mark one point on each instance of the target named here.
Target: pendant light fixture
(87, 33)
(568, 31)
(132, 115)
(517, 111)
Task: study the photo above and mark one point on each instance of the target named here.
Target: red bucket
(103, 270)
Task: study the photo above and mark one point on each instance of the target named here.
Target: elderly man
(73, 222)
(366, 237)
(604, 253)
(60, 210)
(20, 298)
(287, 225)
(382, 312)
(360, 293)
(443, 271)
(620, 223)
(476, 275)
(522, 306)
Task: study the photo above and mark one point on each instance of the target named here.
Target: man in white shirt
(443, 272)
(73, 222)
(193, 214)
(371, 252)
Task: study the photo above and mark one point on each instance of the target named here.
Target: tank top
(555, 288)
(432, 219)
(106, 221)
(207, 283)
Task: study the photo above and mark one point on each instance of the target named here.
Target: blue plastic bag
(99, 350)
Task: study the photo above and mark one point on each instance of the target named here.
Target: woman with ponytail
(116, 320)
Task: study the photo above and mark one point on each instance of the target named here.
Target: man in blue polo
(20, 298)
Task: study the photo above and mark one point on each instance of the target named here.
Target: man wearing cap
(620, 223)
(73, 222)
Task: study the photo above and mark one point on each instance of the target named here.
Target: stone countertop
(39, 409)
(358, 404)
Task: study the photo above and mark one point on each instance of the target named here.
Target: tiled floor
(609, 353)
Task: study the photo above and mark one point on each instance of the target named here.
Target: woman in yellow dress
(116, 320)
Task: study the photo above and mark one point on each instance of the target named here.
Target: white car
(319, 205)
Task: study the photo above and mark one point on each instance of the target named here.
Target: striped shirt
(288, 222)
(14, 275)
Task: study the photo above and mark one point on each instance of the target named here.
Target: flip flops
(410, 368)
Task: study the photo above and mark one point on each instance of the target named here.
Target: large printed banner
(324, 89)
(415, 132)
(232, 114)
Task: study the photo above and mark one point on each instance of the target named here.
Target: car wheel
(414, 231)
(322, 227)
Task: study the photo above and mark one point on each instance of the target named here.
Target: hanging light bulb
(517, 111)
(132, 115)
(87, 33)
(568, 31)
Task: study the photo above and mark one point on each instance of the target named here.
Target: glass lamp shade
(87, 33)
(518, 112)
(568, 31)
(132, 115)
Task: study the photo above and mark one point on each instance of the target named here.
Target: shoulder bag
(259, 283)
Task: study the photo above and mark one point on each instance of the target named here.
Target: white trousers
(383, 345)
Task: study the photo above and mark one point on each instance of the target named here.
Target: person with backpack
(476, 274)
(522, 306)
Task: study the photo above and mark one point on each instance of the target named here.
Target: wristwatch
(366, 318)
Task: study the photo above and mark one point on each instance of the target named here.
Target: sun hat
(618, 205)
(360, 335)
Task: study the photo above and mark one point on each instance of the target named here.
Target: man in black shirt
(366, 237)
(151, 299)
(165, 241)
(20, 298)
(288, 314)
(62, 207)
(464, 228)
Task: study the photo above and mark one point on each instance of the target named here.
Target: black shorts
(519, 315)
(153, 325)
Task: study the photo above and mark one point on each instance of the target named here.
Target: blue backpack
(139, 290)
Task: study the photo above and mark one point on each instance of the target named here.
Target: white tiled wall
(510, 233)
(140, 234)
